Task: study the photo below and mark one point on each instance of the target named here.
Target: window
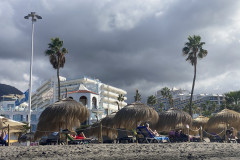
(106, 111)
(10, 106)
(83, 100)
(33, 117)
(33, 127)
(94, 103)
(18, 117)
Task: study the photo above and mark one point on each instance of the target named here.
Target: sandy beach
(125, 151)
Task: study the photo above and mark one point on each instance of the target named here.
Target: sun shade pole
(8, 135)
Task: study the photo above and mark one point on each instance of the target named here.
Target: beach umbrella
(197, 123)
(66, 114)
(216, 129)
(14, 126)
(227, 117)
(133, 115)
(172, 119)
(107, 127)
(200, 121)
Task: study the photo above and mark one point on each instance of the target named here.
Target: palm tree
(137, 97)
(56, 54)
(170, 98)
(120, 98)
(193, 50)
(160, 107)
(166, 93)
(152, 100)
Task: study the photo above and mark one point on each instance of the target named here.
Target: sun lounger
(148, 137)
(216, 138)
(53, 138)
(78, 141)
(123, 136)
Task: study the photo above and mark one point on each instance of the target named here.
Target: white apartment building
(181, 98)
(98, 97)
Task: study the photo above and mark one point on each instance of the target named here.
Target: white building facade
(99, 98)
(181, 98)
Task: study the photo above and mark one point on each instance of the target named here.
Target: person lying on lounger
(155, 133)
(80, 136)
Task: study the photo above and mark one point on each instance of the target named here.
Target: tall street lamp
(33, 16)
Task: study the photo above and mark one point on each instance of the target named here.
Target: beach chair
(53, 138)
(73, 141)
(217, 138)
(123, 136)
(148, 137)
(106, 139)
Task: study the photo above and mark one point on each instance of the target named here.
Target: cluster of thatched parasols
(68, 113)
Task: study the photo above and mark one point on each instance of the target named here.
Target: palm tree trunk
(58, 84)
(194, 78)
(58, 78)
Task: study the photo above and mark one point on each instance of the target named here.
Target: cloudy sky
(130, 44)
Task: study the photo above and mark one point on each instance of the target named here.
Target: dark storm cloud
(128, 44)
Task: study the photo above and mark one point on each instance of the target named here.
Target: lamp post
(33, 16)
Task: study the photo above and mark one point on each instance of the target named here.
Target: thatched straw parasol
(107, 127)
(173, 118)
(14, 126)
(200, 121)
(226, 116)
(133, 114)
(66, 114)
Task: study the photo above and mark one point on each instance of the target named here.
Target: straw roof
(173, 118)
(107, 127)
(227, 116)
(200, 121)
(66, 113)
(216, 129)
(133, 114)
(14, 126)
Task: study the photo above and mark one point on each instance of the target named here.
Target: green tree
(232, 98)
(193, 49)
(166, 93)
(213, 107)
(56, 54)
(137, 97)
(120, 98)
(152, 100)
(160, 107)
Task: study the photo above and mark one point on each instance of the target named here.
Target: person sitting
(80, 136)
(183, 137)
(2, 141)
(155, 133)
(231, 135)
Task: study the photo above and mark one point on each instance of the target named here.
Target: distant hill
(7, 89)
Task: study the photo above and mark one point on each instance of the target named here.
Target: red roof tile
(82, 91)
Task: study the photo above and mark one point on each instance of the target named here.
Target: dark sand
(125, 151)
